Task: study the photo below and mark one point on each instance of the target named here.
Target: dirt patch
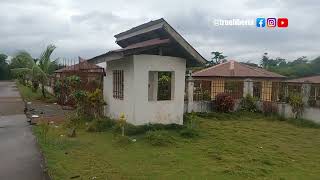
(50, 112)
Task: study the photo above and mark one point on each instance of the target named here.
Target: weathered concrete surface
(19, 155)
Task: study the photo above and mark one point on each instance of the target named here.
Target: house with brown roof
(237, 79)
(90, 76)
(85, 70)
(311, 84)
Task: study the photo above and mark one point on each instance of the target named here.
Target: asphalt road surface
(20, 158)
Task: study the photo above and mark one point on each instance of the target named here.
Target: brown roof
(235, 69)
(148, 43)
(311, 79)
(82, 66)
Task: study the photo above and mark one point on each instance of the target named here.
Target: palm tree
(44, 64)
(37, 69)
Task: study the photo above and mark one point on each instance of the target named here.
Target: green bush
(189, 133)
(159, 138)
(249, 104)
(297, 105)
(74, 121)
(100, 125)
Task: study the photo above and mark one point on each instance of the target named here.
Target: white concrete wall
(114, 106)
(199, 106)
(309, 113)
(138, 109)
(165, 112)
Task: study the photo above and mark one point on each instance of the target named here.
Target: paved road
(19, 155)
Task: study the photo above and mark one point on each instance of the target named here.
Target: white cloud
(86, 28)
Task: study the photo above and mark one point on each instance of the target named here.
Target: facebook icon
(261, 22)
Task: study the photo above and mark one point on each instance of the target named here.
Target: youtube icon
(282, 22)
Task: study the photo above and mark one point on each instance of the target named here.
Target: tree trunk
(43, 90)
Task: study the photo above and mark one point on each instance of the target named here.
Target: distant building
(229, 77)
(314, 84)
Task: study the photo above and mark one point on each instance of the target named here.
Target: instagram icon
(271, 22)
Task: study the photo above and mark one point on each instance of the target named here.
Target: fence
(202, 93)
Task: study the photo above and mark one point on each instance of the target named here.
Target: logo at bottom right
(283, 22)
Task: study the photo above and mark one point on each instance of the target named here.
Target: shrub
(297, 105)
(100, 125)
(189, 133)
(74, 121)
(269, 108)
(249, 104)
(190, 120)
(159, 138)
(89, 103)
(224, 102)
(95, 103)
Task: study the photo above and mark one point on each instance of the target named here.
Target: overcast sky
(86, 28)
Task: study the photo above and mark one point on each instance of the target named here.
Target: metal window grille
(257, 88)
(118, 84)
(202, 91)
(234, 88)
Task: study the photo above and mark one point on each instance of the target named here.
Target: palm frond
(44, 61)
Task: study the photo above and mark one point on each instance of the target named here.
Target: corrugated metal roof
(235, 69)
(148, 43)
(310, 79)
(141, 26)
(83, 65)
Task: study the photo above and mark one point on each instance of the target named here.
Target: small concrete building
(145, 79)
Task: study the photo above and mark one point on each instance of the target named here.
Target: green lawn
(29, 95)
(230, 146)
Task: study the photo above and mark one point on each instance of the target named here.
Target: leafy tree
(54, 65)
(217, 58)
(37, 69)
(20, 66)
(22, 59)
(4, 68)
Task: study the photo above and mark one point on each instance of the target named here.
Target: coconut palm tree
(37, 69)
(44, 64)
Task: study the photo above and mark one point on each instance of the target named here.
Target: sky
(86, 28)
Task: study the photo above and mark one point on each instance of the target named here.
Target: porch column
(190, 87)
(247, 87)
(305, 93)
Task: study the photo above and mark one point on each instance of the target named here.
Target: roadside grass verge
(29, 95)
(228, 146)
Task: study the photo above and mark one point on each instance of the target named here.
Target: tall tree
(44, 64)
(4, 68)
(37, 69)
(21, 65)
(217, 58)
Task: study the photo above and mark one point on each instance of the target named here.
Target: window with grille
(257, 88)
(118, 84)
(234, 88)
